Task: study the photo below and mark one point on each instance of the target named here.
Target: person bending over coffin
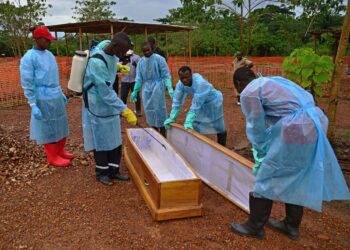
(206, 114)
(294, 161)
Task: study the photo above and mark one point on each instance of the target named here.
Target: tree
(323, 10)
(334, 90)
(93, 10)
(17, 19)
(276, 31)
(246, 7)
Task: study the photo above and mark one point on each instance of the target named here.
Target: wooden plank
(180, 193)
(178, 213)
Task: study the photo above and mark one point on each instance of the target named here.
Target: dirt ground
(42, 207)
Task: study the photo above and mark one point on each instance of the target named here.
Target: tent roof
(104, 27)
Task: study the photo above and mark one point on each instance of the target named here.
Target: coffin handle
(145, 182)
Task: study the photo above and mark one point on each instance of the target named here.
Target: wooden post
(80, 39)
(166, 44)
(112, 31)
(66, 42)
(146, 35)
(87, 39)
(189, 45)
(57, 53)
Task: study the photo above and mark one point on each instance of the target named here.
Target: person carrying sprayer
(40, 82)
(102, 107)
(294, 161)
(206, 114)
(153, 75)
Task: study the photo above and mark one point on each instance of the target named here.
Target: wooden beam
(124, 28)
(189, 44)
(80, 39)
(57, 52)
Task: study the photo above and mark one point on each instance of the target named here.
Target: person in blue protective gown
(294, 161)
(102, 107)
(40, 82)
(153, 75)
(206, 114)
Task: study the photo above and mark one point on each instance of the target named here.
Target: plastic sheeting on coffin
(216, 168)
(166, 164)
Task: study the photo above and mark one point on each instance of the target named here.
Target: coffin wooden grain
(166, 181)
(220, 168)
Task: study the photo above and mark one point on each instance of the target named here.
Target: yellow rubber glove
(124, 69)
(130, 116)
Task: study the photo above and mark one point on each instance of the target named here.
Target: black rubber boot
(290, 225)
(221, 138)
(115, 174)
(260, 209)
(104, 179)
(102, 176)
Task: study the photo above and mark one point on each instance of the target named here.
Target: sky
(138, 10)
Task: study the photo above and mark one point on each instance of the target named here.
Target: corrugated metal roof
(104, 27)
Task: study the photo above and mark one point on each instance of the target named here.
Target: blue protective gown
(102, 133)
(300, 166)
(152, 72)
(40, 82)
(206, 104)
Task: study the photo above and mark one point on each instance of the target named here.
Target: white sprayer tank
(79, 61)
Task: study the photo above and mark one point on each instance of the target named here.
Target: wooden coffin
(167, 182)
(220, 168)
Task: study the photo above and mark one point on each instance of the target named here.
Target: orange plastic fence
(218, 70)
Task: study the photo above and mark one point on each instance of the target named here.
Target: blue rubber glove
(169, 87)
(137, 88)
(258, 160)
(173, 114)
(190, 117)
(36, 112)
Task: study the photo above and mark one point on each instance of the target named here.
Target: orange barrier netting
(218, 71)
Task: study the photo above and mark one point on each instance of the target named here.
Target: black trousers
(116, 84)
(128, 87)
(106, 159)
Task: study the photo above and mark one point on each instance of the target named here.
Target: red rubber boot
(63, 153)
(51, 150)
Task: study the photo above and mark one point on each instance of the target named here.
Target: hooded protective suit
(153, 71)
(101, 125)
(206, 105)
(40, 82)
(299, 165)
